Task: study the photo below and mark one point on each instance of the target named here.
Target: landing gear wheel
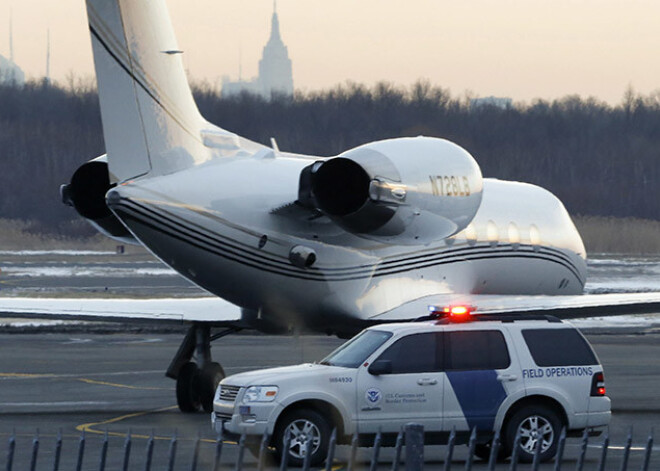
(187, 390)
(303, 425)
(209, 378)
(536, 425)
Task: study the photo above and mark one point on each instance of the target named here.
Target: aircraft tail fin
(151, 123)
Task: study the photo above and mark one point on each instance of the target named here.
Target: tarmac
(71, 382)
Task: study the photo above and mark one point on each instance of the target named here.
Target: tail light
(598, 385)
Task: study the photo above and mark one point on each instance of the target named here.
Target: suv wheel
(537, 425)
(303, 425)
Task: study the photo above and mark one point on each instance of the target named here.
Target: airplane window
(492, 233)
(534, 235)
(471, 234)
(514, 235)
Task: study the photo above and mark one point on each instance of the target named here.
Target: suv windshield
(358, 349)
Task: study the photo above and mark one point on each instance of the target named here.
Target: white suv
(512, 374)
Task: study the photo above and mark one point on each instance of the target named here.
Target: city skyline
(524, 49)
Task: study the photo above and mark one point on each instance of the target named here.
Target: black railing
(407, 453)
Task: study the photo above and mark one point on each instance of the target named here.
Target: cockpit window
(354, 352)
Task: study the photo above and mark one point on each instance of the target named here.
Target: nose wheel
(197, 376)
(195, 387)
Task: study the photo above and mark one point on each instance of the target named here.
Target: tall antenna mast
(48, 57)
(11, 36)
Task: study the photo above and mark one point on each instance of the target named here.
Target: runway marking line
(90, 427)
(26, 375)
(84, 380)
(117, 385)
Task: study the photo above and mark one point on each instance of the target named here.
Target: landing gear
(196, 381)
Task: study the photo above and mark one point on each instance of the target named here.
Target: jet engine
(404, 191)
(86, 193)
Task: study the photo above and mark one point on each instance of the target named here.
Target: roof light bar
(456, 312)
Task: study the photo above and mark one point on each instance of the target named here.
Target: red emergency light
(456, 313)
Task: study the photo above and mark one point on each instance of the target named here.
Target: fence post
(353, 454)
(218, 452)
(450, 449)
(172, 452)
(414, 447)
(81, 451)
(583, 450)
(397, 451)
(647, 452)
(193, 464)
(127, 451)
(35, 451)
(263, 449)
(376, 453)
(515, 452)
(58, 451)
(104, 451)
(331, 450)
(284, 462)
(308, 453)
(494, 451)
(560, 449)
(603, 452)
(149, 452)
(241, 452)
(471, 446)
(626, 451)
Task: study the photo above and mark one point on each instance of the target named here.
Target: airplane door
(480, 375)
(411, 392)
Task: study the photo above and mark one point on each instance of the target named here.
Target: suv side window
(417, 353)
(559, 347)
(476, 350)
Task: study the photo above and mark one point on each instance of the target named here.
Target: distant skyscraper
(10, 73)
(275, 75)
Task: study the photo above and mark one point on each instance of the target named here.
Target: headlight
(260, 394)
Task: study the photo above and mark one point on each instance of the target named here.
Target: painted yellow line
(91, 427)
(88, 428)
(116, 385)
(26, 375)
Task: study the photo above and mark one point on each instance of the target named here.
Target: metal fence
(407, 454)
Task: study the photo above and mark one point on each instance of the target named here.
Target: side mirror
(380, 367)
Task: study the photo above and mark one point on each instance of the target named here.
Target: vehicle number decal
(341, 379)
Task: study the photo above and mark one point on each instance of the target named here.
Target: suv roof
(476, 322)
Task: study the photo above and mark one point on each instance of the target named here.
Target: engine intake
(404, 191)
(86, 193)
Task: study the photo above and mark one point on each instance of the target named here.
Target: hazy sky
(523, 49)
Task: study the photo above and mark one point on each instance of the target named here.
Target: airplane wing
(211, 310)
(563, 307)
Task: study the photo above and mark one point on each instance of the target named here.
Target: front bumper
(249, 419)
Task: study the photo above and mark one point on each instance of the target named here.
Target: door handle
(507, 377)
(427, 382)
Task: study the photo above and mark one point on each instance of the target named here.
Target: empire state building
(275, 75)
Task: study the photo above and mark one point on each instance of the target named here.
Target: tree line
(599, 159)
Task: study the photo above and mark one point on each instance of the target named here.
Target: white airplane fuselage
(218, 224)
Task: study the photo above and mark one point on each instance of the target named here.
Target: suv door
(411, 392)
(480, 375)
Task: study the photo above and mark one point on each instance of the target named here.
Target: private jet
(281, 240)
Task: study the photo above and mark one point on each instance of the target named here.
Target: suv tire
(303, 424)
(535, 423)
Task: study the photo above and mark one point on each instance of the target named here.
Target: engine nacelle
(405, 191)
(86, 193)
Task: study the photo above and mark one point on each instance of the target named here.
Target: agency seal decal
(373, 395)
